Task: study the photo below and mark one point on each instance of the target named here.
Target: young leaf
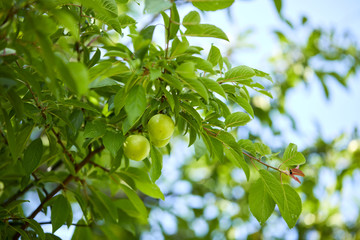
(292, 156)
(247, 145)
(32, 156)
(59, 212)
(212, 5)
(205, 30)
(262, 149)
(136, 103)
(237, 119)
(285, 197)
(260, 201)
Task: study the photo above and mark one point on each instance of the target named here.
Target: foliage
(71, 94)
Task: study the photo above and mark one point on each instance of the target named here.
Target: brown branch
(99, 166)
(67, 180)
(74, 224)
(269, 166)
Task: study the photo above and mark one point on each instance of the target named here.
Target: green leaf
(260, 201)
(262, 74)
(143, 182)
(175, 22)
(238, 160)
(178, 47)
(106, 8)
(82, 232)
(36, 226)
(172, 81)
(59, 212)
(212, 5)
(192, 18)
(80, 77)
(95, 129)
(205, 30)
(135, 200)
(232, 150)
(113, 141)
(156, 6)
(10, 136)
(32, 156)
(292, 156)
(244, 103)
(262, 149)
(186, 70)
(237, 119)
(156, 163)
(278, 6)
(23, 234)
(16, 102)
(104, 204)
(247, 145)
(285, 197)
(213, 86)
(214, 56)
(198, 87)
(135, 104)
(126, 20)
(239, 73)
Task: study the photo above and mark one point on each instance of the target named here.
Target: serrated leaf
(260, 201)
(135, 104)
(32, 156)
(156, 163)
(156, 6)
(237, 119)
(143, 182)
(238, 73)
(192, 18)
(285, 197)
(292, 156)
(113, 141)
(94, 129)
(212, 5)
(205, 30)
(213, 86)
(59, 212)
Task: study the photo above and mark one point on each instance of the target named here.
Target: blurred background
(311, 50)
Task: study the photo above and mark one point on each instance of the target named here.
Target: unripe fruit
(161, 127)
(160, 143)
(136, 147)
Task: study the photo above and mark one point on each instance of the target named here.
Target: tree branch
(67, 180)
